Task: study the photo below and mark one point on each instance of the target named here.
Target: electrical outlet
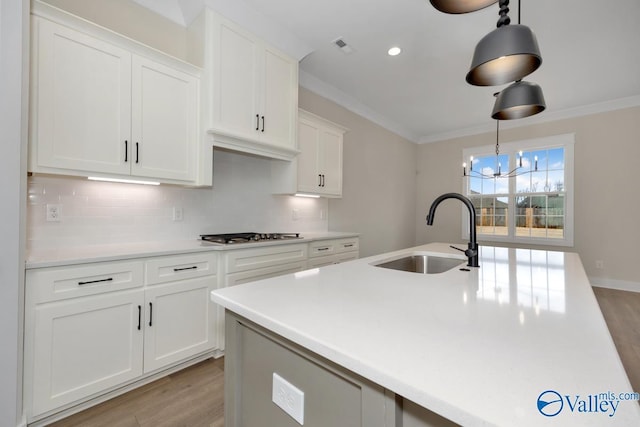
(53, 212)
(178, 213)
(288, 397)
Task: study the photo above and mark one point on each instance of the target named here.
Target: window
(535, 203)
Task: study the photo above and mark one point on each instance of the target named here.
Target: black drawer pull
(150, 314)
(195, 267)
(350, 245)
(257, 121)
(323, 249)
(126, 151)
(95, 281)
(262, 124)
(139, 316)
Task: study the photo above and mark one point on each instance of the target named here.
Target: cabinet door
(235, 71)
(308, 143)
(165, 121)
(280, 98)
(330, 162)
(81, 104)
(179, 321)
(84, 346)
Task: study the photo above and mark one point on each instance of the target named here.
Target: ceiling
(591, 57)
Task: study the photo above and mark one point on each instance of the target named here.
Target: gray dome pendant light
(518, 100)
(461, 6)
(506, 54)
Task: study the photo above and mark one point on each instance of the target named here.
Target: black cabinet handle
(257, 121)
(323, 249)
(139, 317)
(150, 314)
(322, 180)
(350, 245)
(95, 281)
(126, 151)
(137, 152)
(262, 123)
(319, 180)
(195, 267)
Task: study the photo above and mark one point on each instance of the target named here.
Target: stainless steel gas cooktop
(234, 238)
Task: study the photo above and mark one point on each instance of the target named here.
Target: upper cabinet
(320, 159)
(318, 168)
(103, 105)
(251, 89)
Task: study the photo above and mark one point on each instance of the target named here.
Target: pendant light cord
(518, 12)
(497, 138)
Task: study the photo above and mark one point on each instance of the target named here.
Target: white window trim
(567, 141)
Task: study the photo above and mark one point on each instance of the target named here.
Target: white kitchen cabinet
(318, 168)
(84, 346)
(250, 264)
(164, 122)
(94, 328)
(335, 251)
(253, 89)
(178, 323)
(103, 105)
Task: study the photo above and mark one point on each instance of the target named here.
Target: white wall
(379, 180)
(607, 201)
(13, 40)
(95, 213)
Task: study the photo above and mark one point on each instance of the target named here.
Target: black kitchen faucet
(472, 251)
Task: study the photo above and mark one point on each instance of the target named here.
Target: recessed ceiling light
(394, 51)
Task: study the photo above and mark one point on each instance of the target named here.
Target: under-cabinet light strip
(125, 181)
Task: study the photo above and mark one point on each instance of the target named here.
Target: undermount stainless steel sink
(423, 264)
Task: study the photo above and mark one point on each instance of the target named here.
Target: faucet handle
(457, 249)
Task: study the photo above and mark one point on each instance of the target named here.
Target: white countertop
(53, 257)
(477, 347)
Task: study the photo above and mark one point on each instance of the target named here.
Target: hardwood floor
(193, 397)
(621, 310)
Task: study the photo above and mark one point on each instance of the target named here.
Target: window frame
(565, 141)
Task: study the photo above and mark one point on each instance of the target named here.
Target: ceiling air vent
(342, 45)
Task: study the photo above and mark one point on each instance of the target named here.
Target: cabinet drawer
(338, 258)
(322, 248)
(172, 268)
(330, 247)
(263, 273)
(58, 283)
(250, 259)
(347, 245)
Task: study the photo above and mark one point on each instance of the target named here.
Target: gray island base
(333, 395)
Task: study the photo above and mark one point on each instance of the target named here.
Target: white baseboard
(621, 285)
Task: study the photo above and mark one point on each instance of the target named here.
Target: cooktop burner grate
(233, 238)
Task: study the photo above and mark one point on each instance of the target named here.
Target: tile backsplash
(93, 213)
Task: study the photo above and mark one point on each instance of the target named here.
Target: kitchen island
(487, 346)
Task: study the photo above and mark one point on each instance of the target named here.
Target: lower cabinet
(251, 264)
(84, 346)
(327, 252)
(92, 328)
(332, 395)
(179, 322)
